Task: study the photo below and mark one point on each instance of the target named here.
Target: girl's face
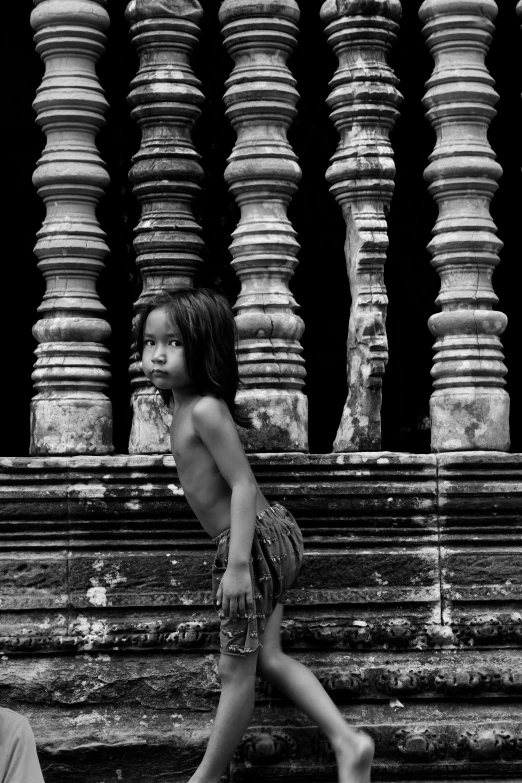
(163, 356)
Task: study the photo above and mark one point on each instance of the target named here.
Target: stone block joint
(363, 101)
(263, 174)
(71, 413)
(469, 405)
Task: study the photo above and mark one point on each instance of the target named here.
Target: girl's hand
(234, 593)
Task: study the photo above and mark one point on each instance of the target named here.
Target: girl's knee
(227, 667)
(232, 667)
(270, 662)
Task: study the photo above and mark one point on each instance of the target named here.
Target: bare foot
(354, 758)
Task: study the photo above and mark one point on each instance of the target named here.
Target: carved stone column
(263, 174)
(363, 99)
(469, 407)
(71, 413)
(165, 99)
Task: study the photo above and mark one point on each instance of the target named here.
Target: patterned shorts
(277, 554)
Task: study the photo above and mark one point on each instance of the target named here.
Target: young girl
(188, 343)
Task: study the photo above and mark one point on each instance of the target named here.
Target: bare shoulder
(210, 411)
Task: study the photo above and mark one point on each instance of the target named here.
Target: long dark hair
(208, 332)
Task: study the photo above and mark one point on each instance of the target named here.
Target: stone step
(190, 681)
(93, 743)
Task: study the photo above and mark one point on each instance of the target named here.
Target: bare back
(206, 491)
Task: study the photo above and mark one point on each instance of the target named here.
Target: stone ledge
(146, 461)
(305, 628)
(447, 460)
(326, 491)
(190, 682)
(280, 744)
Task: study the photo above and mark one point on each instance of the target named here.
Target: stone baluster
(165, 98)
(70, 413)
(363, 101)
(469, 407)
(263, 173)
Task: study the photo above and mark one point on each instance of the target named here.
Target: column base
(151, 420)
(76, 423)
(360, 427)
(280, 420)
(470, 420)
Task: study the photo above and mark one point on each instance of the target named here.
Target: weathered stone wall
(408, 608)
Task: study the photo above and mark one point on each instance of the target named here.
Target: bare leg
(236, 704)
(353, 749)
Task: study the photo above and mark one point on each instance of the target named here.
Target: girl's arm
(214, 425)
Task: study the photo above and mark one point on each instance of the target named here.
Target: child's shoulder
(209, 409)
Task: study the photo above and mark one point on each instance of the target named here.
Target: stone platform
(408, 608)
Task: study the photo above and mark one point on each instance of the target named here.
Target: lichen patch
(97, 595)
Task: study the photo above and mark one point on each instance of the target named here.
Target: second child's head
(187, 339)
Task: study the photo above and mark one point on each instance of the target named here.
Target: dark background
(320, 284)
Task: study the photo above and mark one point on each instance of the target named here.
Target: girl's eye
(175, 342)
(149, 342)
